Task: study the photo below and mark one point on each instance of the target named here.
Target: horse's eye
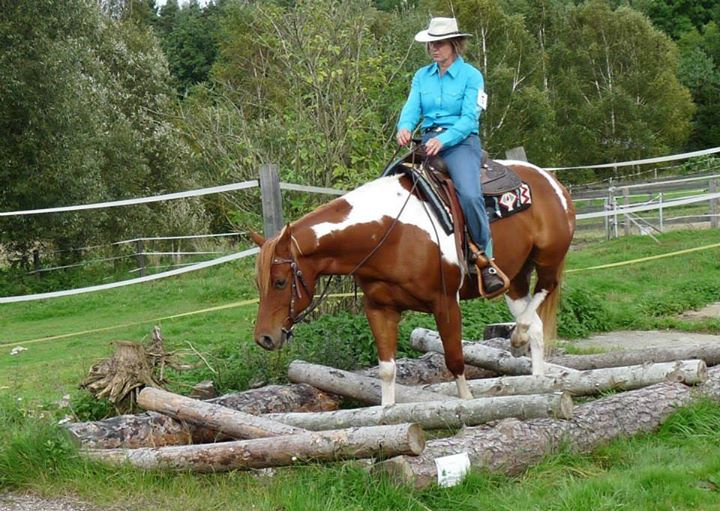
(280, 283)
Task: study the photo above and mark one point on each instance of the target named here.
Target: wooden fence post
(140, 254)
(271, 199)
(714, 220)
(516, 153)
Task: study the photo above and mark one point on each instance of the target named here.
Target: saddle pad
(509, 203)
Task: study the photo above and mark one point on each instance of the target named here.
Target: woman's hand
(433, 146)
(403, 137)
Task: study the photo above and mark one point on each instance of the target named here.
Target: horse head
(285, 290)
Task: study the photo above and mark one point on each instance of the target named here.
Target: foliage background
(111, 99)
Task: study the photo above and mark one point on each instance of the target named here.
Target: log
(510, 446)
(710, 353)
(354, 385)
(583, 383)
(155, 430)
(407, 439)
(481, 355)
(429, 368)
(233, 423)
(436, 414)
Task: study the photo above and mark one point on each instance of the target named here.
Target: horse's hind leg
(384, 325)
(449, 323)
(528, 325)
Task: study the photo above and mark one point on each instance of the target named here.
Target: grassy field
(675, 469)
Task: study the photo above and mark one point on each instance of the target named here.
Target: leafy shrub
(581, 313)
(86, 407)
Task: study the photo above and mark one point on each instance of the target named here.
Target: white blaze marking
(384, 198)
(543, 173)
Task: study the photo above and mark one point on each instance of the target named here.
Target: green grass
(674, 469)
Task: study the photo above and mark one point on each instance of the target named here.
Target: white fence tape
(141, 200)
(178, 271)
(660, 159)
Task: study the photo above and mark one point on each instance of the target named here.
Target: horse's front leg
(449, 323)
(384, 325)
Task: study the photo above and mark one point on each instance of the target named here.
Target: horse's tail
(548, 310)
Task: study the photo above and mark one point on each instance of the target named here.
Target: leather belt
(433, 129)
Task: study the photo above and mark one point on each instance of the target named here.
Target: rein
(298, 281)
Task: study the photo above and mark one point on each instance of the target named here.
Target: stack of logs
(514, 420)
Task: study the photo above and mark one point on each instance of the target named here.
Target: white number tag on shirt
(482, 100)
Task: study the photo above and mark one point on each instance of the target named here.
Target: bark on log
(481, 355)
(710, 353)
(429, 368)
(156, 430)
(510, 445)
(436, 414)
(354, 385)
(582, 383)
(233, 423)
(273, 452)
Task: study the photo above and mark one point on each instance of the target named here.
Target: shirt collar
(453, 70)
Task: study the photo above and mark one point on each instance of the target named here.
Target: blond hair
(459, 44)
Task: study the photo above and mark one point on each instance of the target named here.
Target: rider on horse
(448, 95)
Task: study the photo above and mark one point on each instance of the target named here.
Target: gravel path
(16, 502)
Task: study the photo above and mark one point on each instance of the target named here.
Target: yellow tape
(337, 295)
(156, 320)
(643, 259)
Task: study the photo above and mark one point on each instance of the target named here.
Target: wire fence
(620, 208)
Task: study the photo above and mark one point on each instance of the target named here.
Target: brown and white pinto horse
(389, 240)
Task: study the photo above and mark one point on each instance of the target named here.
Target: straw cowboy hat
(439, 29)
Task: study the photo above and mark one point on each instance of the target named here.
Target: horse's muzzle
(265, 341)
(270, 342)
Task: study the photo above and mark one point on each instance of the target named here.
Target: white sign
(482, 100)
(451, 469)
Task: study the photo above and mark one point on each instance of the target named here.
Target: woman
(448, 95)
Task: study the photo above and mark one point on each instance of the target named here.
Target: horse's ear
(259, 240)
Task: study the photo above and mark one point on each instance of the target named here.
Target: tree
(615, 88)
(84, 115)
(699, 71)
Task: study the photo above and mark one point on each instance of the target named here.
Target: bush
(581, 313)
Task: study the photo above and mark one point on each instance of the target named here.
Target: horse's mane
(265, 259)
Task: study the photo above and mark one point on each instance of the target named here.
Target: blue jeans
(463, 161)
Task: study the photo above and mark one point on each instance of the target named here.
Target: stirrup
(492, 269)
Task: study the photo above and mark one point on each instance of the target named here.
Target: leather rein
(298, 281)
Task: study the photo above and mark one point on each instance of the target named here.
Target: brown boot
(491, 280)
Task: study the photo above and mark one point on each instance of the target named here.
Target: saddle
(504, 192)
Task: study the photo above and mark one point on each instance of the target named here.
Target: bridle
(297, 283)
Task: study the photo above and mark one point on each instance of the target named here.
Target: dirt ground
(635, 340)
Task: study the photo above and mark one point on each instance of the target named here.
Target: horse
(384, 235)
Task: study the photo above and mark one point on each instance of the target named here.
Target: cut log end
(416, 439)
(565, 407)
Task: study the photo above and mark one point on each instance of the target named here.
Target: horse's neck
(330, 234)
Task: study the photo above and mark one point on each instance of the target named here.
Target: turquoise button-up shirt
(451, 101)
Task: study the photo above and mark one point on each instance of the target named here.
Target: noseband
(298, 282)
